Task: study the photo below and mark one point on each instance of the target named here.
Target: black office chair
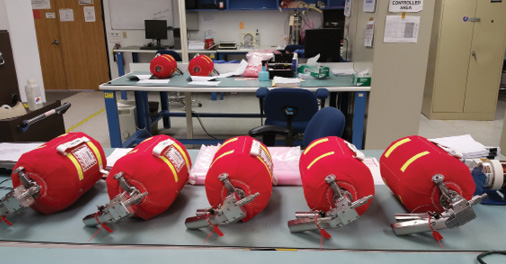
(178, 98)
(287, 111)
(172, 53)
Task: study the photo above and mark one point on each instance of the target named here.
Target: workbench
(62, 237)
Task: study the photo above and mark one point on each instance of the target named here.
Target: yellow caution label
(109, 95)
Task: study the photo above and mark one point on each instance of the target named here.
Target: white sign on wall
(41, 4)
(407, 6)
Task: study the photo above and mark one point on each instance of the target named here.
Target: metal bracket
(21, 197)
(119, 208)
(458, 211)
(232, 210)
(342, 214)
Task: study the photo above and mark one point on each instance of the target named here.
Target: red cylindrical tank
(201, 65)
(163, 66)
(333, 156)
(65, 167)
(160, 165)
(408, 165)
(249, 167)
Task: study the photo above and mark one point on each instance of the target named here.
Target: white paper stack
(464, 144)
(11, 152)
(196, 45)
(278, 81)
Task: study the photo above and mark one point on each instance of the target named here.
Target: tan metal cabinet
(465, 59)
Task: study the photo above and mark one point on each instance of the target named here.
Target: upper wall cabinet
(203, 5)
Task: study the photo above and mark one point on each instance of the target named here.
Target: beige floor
(87, 115)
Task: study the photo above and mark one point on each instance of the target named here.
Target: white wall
(4, 24)
(272, 26)
(17, 17)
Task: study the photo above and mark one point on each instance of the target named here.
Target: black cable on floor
(202, 125)
(484, 254)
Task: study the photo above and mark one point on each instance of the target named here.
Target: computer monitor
(325, 41)
(156, 29)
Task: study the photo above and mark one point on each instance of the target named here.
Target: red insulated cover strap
(331, 155)
(249, 172)
(63, 177)
(162, 177)
(408, 165)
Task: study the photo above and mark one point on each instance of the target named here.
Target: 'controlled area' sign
(407, 6)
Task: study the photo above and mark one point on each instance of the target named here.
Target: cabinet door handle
(2, 61)
(55, 42)
(474, 54)
(474, 19)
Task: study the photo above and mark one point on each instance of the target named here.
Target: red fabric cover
(250, 173)
(152, 174)
(163, 66)
(331, 155)
(57, 175)
(414, 186)
(201, 65)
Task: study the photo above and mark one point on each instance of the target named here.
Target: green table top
(333, 83)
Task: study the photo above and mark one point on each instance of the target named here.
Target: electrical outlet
(114, 34)
(115, 37)
(124, 34)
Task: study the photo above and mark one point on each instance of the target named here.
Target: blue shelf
(259, 5)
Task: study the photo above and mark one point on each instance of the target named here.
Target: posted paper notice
(405, 6)
(369, 34)
(402, 30)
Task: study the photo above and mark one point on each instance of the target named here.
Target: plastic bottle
(294, 63)
(33, 95)
(263, 75)
(257, 39)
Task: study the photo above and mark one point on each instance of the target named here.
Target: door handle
(2, 61)
(474, 54)
(474, 19)
(55, 42)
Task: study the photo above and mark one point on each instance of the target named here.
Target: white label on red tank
(266, 159)
(175, 158)
(85, 157)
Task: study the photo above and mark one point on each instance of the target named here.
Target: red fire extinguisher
(53, 176)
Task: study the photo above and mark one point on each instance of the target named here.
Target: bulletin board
(130, 14)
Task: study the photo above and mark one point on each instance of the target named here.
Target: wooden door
(48, 39)
(72, 45)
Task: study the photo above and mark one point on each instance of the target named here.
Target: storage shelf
(259, 5)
